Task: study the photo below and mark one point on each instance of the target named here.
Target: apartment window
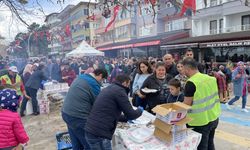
(169, 4)
(245, 22)
(146, 30)
(213, 27)
(86, 25)
(86, 12)
(87, 38)
(213, 3)
(133, 30)
(122, 32)
(221, 25)
(175, 25)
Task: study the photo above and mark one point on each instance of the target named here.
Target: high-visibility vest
(206, 103)
(18, 82)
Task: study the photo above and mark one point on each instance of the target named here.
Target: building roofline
(49, 16)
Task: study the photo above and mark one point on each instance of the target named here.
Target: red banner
(116, 10)
(188, 4)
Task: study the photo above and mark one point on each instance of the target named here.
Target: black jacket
(107, 109)
(152, 82)
(35, 79)
(172, 70)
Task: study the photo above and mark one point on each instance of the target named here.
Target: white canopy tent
(84, 49)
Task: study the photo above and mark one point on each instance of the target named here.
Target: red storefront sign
(151, 43)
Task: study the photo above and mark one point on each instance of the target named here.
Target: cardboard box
(167, 128)
(172, 112)
(172, 138)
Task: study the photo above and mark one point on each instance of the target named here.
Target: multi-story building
(137, 33)
(81, 27)
(51, 21)
(220, 31)
(65, 25)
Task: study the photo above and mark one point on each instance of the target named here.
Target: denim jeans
(76, 132)
(97, 143)
(236, 98)
(207, 131)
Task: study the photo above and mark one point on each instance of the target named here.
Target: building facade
(220, 31)
(65, 26)
(136, 32)
(81, 27)
(52, 21)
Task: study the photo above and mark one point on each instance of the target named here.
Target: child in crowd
(175, 91)
(12, 133)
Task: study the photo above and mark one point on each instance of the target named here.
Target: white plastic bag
(29, 109)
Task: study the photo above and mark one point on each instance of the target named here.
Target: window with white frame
(213, 27)
(221, 25)
(121, 32)
(146, 30)
(175, 25)
(213, 3)
(245, 22)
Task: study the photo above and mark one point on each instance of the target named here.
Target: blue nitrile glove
(130, 121)
(141, 108)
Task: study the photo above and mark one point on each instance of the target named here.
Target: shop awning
(148, 41)
(218, 40)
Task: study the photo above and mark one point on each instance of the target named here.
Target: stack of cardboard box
(170, 122)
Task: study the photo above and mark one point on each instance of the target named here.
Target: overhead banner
(225, 44)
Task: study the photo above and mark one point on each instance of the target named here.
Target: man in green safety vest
(14, 80)
(201, 92)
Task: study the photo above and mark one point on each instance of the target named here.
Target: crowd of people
(91, 114)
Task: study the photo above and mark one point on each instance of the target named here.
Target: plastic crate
(63, 141)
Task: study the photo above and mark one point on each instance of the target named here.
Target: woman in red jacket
(68, 74)
(12, 133)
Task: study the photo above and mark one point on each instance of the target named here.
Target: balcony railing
(237, 28)
(230, 29)
(178, 26)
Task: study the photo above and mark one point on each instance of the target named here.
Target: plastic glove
(130, 121)
(141, 108)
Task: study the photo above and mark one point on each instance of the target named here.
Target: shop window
(213, 27)
(246, 22)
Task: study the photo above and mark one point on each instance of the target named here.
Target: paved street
(234, 129)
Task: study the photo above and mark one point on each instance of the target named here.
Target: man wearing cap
(13, 79)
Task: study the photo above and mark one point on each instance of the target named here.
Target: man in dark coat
(107, 111)
(78, 104)
(33, 84)
(171, 68)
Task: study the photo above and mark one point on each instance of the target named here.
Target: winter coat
(106, 112)
(172, 70)
(36, 79)
(71, 76)
(56, 72)
(12, 131)
(152, 82)
(81, 96)
(238, 83)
